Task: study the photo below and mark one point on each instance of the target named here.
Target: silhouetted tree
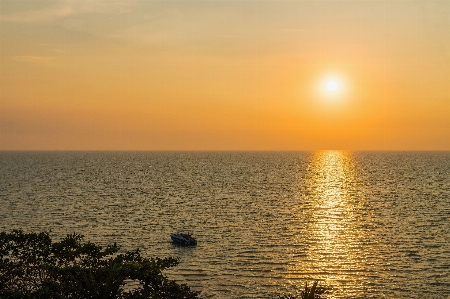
(32, 266)
(313, 292)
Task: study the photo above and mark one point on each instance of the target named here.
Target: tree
(32, 266)
(313, 292)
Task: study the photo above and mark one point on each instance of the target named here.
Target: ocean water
(364, 224)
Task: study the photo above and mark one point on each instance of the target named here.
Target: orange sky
(224, 75)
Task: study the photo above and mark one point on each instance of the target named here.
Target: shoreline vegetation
(33, 266)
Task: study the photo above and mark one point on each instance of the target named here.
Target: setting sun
(332, 85)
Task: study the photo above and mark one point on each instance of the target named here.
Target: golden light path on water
(334, 256)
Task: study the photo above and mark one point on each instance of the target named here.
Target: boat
(183, 238)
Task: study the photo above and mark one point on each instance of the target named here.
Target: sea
(362, 224)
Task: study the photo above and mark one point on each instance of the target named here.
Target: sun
(332, 86)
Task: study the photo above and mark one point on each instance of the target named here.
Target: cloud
(37, 16)
(34, 59)
(64, 9)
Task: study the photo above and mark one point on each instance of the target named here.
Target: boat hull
(182, 240)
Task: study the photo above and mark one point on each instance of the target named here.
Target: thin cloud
(66, 9)
(34, 59)
(37, 16)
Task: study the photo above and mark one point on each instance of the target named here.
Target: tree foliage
(313, 292)
(32, 266)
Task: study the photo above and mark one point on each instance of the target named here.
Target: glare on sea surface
(331, 183)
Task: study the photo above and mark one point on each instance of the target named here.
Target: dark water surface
(365, 224)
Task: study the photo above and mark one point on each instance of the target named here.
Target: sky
(224, 75)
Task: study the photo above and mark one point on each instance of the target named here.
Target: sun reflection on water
(332, 256)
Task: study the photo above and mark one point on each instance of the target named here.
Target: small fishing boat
(183, 238)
